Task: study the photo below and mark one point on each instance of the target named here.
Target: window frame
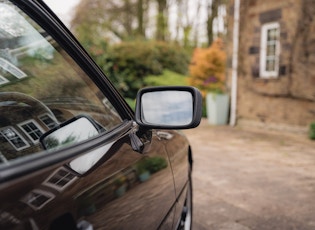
(60, 178)
(3, 80)
(47, 125)
(34, 195)
(16, 133)
(263, 73)
(26, 133)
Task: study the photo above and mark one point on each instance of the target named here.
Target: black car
(73, 155)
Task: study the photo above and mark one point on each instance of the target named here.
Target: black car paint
(92, 198)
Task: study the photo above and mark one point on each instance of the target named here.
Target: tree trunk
(212, 14)
(140, 15)
(161, 28)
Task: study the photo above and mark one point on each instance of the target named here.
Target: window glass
(270, 50)
(41, 87)
(32, 130)
(48, 121)
(14, 138)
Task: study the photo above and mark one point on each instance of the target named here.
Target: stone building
(276, 63)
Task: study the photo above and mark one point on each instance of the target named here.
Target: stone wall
(290, 98)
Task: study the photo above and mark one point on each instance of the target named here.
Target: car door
(71, 155)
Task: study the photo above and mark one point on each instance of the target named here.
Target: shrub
(131, 102)
(128, 63)
(172, 57)
(312, 131)
(152, 164)
(207, 68)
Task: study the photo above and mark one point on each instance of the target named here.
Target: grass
(166, 78)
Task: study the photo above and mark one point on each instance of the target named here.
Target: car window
(41, 87)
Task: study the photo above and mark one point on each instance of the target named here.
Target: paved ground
(252, 179)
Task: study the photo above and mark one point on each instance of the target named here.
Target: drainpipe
(234, 63)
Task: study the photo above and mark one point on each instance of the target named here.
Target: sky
(63, 8)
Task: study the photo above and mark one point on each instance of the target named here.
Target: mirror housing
(169, 107)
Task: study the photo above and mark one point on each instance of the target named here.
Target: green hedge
(312, 131)
(167, 77)
(128, 63)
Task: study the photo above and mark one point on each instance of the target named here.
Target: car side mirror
(170, 107)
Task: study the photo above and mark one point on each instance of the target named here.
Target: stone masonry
(289, 99)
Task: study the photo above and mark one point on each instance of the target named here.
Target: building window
(12, 136)
(3, 80)
(38, 198)
(8, 66)
(32, 130)
(60, 179)
(48, 121)
(270, 50)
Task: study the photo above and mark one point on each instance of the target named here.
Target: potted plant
(207, 72)
(142, 170)
(150, 165)
(120, 185)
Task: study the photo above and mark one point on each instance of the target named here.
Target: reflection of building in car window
(12, 69)
(21, 124)
(40, 87)
(3, 80)
(15, 139)
(48, 121)
(32, 129)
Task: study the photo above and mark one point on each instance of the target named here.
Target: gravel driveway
(246, 178)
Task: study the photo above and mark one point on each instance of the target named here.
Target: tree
(140, 14)
(162, 17)
(111, 19)
(212, 14)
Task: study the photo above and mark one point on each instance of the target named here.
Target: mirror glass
(171, 107)
(74, 132)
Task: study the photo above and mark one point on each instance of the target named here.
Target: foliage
(207, 69)
(312, 131)
(109, 19)
(128, 63)
(172, 57)
(152, 164)
(147, 19)
(166, 78)
(120, 180)
(131, 102)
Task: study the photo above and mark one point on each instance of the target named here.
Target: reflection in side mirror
(71, 132)
(169, 107)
